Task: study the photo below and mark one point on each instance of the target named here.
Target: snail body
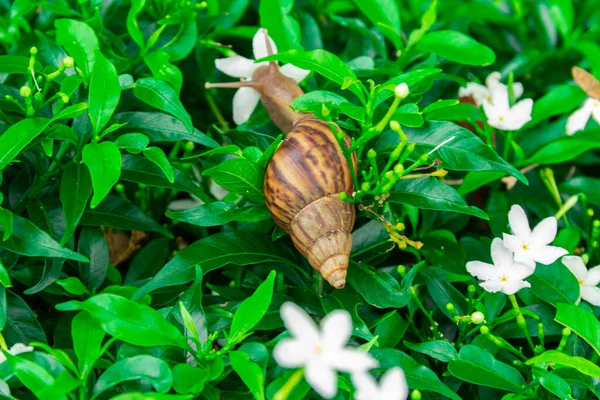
(304, 177)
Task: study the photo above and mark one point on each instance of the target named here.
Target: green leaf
(72, 285)
(580, 321)
(239, 176)
(105, 92)
(87, 341)
(324, 63)
(6, 222)
(33, 376)
(151, 369)
(161, 95)
(29, 240)
(118, 213)
(477, 366)
(18, 136)
(559, 100)
(553, 382)
(16, 65)
(93, 245)
(132, 25)
(158, 157)
(250, 372)
(418, 376)
(431, 194)
(71, 112)
(456, 46)
(441, 350)
(413, 79)
(134, 143)
(161, 127)
(188, 379)
(283, 28)
(129, 321)
(159, 65)
(216, 251)
(378, 288)
(251, 311)
(385, 15)
(475, 180)
(554, 357)
(555, 284)
(220, 213)
(565, 149)
(22, 325)
(75, 190)
(141, 170)
(583, 184)
(442, 293)
(104, 162)
(79, 40)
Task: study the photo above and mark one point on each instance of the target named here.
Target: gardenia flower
(579, 119)
(482, 93)
(320, 352)
(17, 348)
(530, 246)
(392, 386)
(505, 275)
(588, 279)
(246, 98)
(498, 111)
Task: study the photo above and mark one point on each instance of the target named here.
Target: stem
(507, 142)
(286, 389)
(434, 325)
(521, 323)
(215, 109)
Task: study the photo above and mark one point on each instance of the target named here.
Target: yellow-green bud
(401, 91)
(450, 307)
(25, 91)
(590, 212)
(415, 395)
(33, 51)
(365, 186)
(477, 317)
(40, 78)
(395, 126)
(8, 97)
(343, 196)
(471, 288)
(401, 269)
(38, 96)
(68, 62)
(410, 147)
(566, 332)
(189, 146)
(596, 223)
(398, 170)
(371, 153)
(325, 111)
(64, 98)
(120, 188)
(484, 330)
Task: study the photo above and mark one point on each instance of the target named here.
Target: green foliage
(138, 256)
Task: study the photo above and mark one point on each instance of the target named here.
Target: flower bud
(68, 62)
(33, 51)
(477, 317)
(189, 146)
(484, 330)
(8, 97)
(521, 321)
(371, 153)
(142, 186)
(25, 91)
(38, 96)
(325, 111)
(40, 78)
(343, 196)
(410, 147)
(401, 91)
(398, 170)
(471, 289)
(120, 188)
(64, 98)
(450, 307)
(590, 212)
(415, 395)
(596, 223)
(365, 186)
(399, 226)
(401, 269)
(566, 332)
(395, 126)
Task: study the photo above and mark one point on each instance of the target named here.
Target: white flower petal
(579, 119)
(593, 276)
(244, 103)
(259, 45)
(595, 109)
(322, 378)
(336, 329)
(519, 114)
(393, 385)
(481, 270)
(518, 222)
(291, 71)
(291, 353)
(576, 266)
(591, 295)
(236, 66)
(548, 254)
(519, 271)
(299, 323)
(366, 386)
(493, 115)
(514, 286)
(501, 256)
(350, 360)
(499, 93)
(492, 286)
(544, 232)
(19, 348)
(493, 79)
(517, 89)
(479, 93)
(2, 357)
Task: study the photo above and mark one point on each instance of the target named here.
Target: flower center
(503, 278)
(501, 118)
(318, 350)
(525, 246)
(580, 282)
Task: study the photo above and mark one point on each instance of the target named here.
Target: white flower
(579, 119)
(588, 279)
(481, 93)
(17, 348)
(320, 352)
(505, 275)
(392, 386)
(246, 98)
(530, 246)
(498, 111)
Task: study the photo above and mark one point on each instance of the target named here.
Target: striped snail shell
(304, 177)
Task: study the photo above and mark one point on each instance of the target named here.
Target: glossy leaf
(132, 25)
(580, 321)
(134, 143)
(18, 136)
(441, 350)
(456, 46)
(188, 379)
(378, 288)
(555, 357)
(250, 372)
(385, 15)
(161, 95)
(105, 92)
(251, 311)
(274, 16)
(87, 341)
(93, 245)
(141, 170)
(158, 62)
(104, 163)
(158, 157)
(79, 40)
(75, 190)
(219, 213)
(555, 284)
(240, 176)
(565, 149)
(148, 368)
(33, 376)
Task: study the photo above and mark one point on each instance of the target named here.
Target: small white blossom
(401, 91)
(482, 93)
(392, 386)
(505, 275)
(588, 279)
(17, 348)
(530, 246)
(246, 98)
(321, 352)
(579, 119)
(500, 114)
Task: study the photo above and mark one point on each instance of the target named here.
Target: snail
(306, 174)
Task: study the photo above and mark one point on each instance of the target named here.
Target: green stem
(434, 325)
(521, 323)
(508, 139)
(215, 109)
(286, 389)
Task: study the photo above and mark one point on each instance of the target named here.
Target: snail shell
(301, 186)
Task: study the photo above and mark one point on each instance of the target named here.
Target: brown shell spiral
(301, 186)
